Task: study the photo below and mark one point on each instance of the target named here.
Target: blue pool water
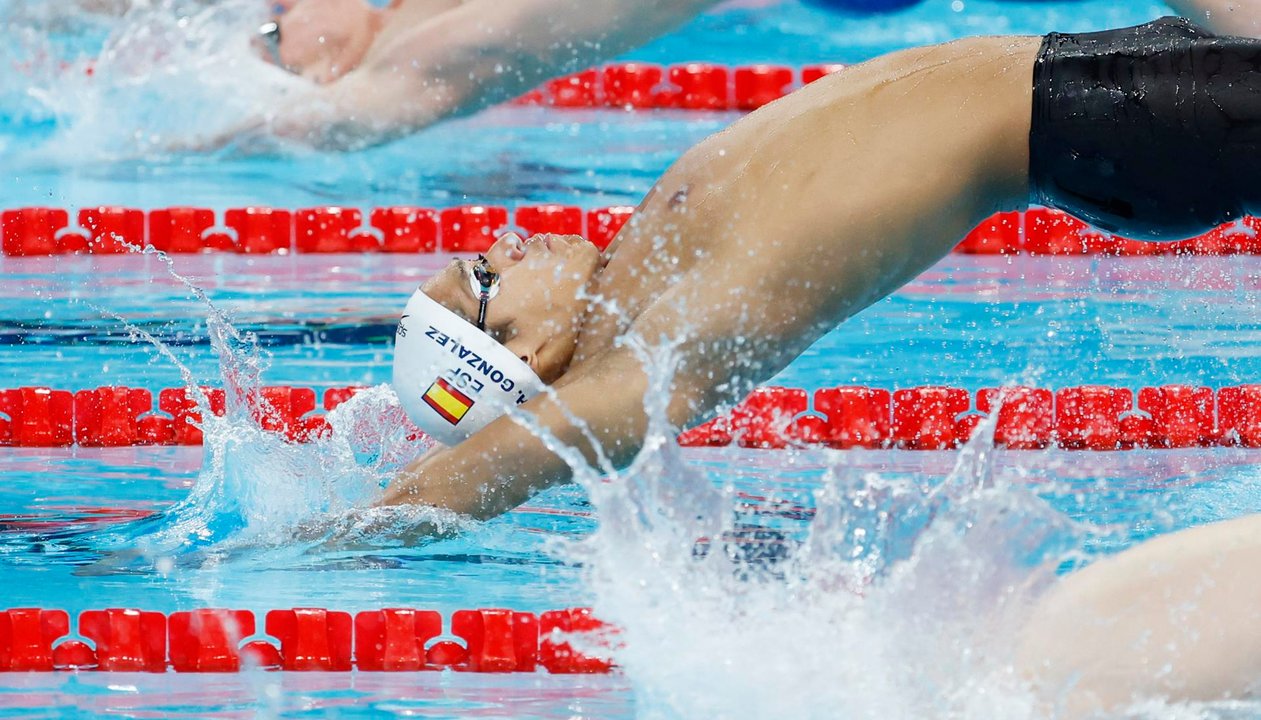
(706, 637)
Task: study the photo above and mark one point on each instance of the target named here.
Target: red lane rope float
(260, 230)
(1091, 417)
(302, 639)
(1042, 231)
(686, 86)
(108, 230)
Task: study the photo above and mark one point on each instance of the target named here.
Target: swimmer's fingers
(247, 133)
(375, 528)
(252, 137)
(325, 121)
(312, 131)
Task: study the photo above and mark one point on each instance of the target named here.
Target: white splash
(849, 624)
(168, 75)
(260, 491)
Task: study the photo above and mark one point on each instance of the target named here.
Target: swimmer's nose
(514, 246)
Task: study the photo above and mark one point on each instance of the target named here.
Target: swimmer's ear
(531, 359)
(528, 352)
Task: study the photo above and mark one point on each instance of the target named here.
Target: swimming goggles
(484, 282)
(269, 38)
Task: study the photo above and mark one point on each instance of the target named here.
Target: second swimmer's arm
(480, 53)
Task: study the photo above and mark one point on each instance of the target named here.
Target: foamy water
(900, 602)
(260, 495)
(833, 630)
(168, 77)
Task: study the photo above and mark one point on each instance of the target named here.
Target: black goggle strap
(483, 301)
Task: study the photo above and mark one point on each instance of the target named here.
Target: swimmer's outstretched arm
(1224, 17)
(465, 59)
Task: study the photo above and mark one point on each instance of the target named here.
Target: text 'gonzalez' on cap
(451, 378)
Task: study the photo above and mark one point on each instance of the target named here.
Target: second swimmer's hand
(268, 135)
(261, 135)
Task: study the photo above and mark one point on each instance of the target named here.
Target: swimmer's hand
(384, 524)
(437, 491)
(355, 113)
(273, 135)
(380, 527)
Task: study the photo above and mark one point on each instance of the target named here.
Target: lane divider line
(684, 86)
(302, 639)
(109, 230)
(1090, 417)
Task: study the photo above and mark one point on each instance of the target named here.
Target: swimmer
(323, 40)
(767, 235)
(383, 73)
(389, 72)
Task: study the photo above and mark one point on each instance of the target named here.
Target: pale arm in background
(468, 58)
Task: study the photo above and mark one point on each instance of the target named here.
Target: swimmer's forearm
(485, 476)
(487, 51)
(1224, 17)
(506, 463)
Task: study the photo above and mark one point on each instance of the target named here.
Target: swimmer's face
(538, 310)
(322, 40)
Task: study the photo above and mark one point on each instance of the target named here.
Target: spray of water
(260, 496)
(902, 600)
(876, 613)
(169, 74)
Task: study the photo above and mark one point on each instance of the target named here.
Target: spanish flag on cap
(448, 402)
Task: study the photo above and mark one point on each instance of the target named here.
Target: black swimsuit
(1152, 132)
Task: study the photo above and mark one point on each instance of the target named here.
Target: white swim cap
(450, 377)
